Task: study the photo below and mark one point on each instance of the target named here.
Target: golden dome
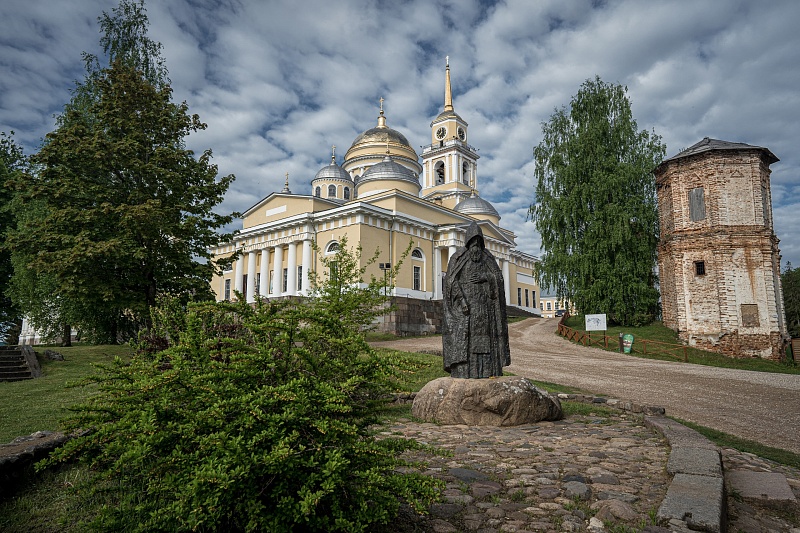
(371, 146)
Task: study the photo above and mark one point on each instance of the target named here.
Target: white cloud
(279, 82)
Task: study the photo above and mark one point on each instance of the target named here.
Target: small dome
(333, 171)
(475, 205)
(388, 169)
(447, 114)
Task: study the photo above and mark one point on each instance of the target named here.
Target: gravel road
(759, 406)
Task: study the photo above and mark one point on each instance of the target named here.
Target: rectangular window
(417, 276)
(227, 289)
(700, 268)
(271, 280)
(533, 298)
(300, 278)
(519, 296)
(697, 205)
(244, 285)
(527, 302)
(549, 306)
(334, 270)
(285, 280)
(258, 282)
(750, 316)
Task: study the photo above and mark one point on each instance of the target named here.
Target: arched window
(439, 173)
(465, 173)
(332, 247)
(417, 253)
(331, 191)
(318, 192)
(347, 193)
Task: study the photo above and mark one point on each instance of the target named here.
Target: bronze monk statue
(475, 340)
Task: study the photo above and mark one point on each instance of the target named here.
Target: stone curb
(695, 499)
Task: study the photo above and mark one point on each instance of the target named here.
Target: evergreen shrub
(251, 418)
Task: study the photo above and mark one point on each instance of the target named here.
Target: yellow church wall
(520, 280)
(381, 185)
(417, 209)
(367, 157)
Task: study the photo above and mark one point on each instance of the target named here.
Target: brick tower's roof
(709, 145)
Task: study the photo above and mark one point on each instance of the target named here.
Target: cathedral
(384, 198)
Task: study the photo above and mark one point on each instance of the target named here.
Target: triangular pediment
(277, 206)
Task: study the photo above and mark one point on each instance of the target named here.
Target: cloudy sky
(280, 81)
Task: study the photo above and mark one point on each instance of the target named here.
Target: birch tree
(595, 206)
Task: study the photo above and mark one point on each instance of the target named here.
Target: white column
(306, 266)
(250, 294)
(263, 287)
(277, 273)
(448, 169)
(437, 273)
(506, 281)
(451, 252)
(291, 283)
(237, 274)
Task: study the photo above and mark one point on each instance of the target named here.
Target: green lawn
(658, 332)
(38, 404)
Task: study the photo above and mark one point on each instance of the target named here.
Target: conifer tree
(126, 211)
(12, 161)
(595, 205)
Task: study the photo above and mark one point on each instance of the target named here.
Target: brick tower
(718, 257)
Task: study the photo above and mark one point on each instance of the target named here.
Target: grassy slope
(39, 404)
(658, 332)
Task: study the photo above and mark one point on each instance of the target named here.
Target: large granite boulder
(500, 401)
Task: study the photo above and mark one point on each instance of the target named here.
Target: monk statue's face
(475, 251)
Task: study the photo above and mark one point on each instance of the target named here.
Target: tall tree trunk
(66, 335)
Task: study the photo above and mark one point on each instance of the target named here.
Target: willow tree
(595, 205)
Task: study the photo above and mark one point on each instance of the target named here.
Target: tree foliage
(124, 39)
(124, 212)
(12, 162)
(790, 281)
(595, 206)
(234, 417)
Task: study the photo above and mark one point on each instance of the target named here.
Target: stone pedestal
(501, 401)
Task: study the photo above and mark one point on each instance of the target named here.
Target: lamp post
(385, 267)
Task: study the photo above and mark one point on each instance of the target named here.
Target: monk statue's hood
(474, 231)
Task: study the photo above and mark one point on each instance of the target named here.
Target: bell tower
(450, 164)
